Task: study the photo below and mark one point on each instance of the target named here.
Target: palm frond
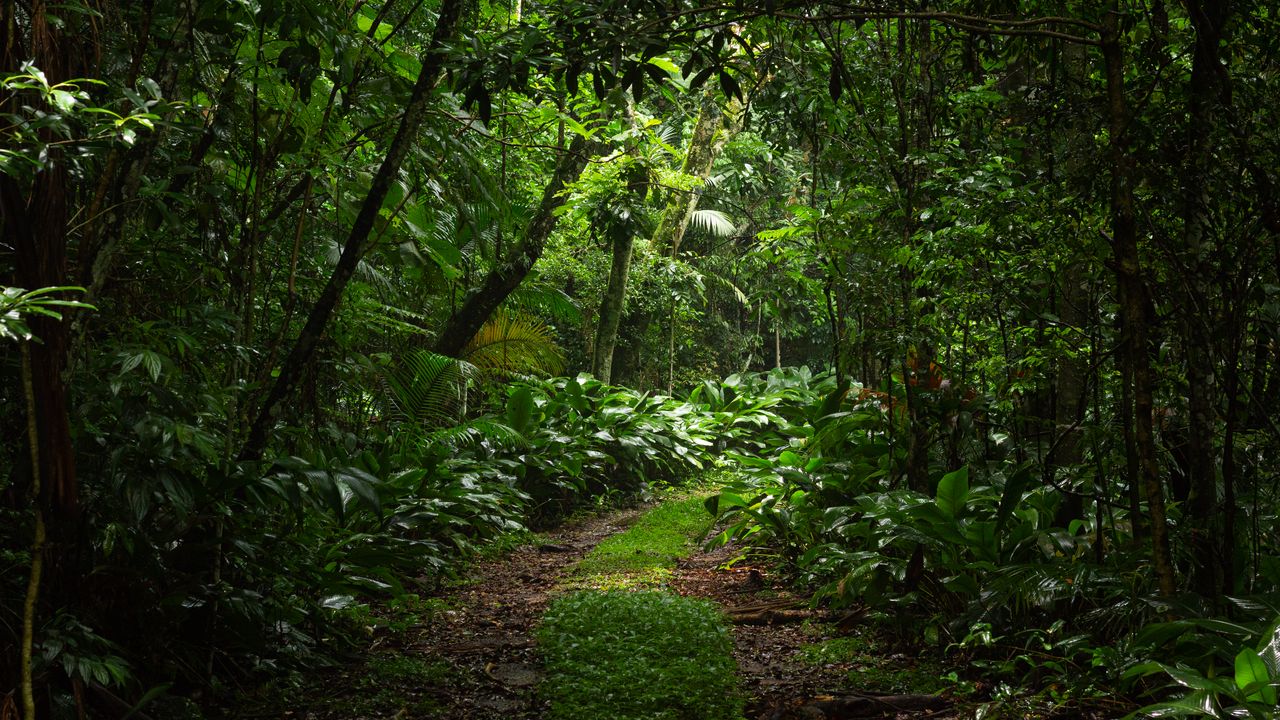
(477, 432)
(366, 271)
(548, 299)
(512, 341)
(712, 221)
(426, 388)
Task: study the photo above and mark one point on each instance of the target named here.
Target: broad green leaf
(790, 459)
(1269, 649)
(665, 64)
(326, 486)
(1197, 703)
(520, 408)
(363, 486)
(1013, 489)
(1252, 677)
(65, 101)
(953, 491)
(1196, 681)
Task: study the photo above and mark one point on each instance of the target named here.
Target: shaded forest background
(290, 285)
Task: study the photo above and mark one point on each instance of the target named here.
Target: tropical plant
(514, 342)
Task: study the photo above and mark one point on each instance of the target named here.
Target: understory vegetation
(976, 304)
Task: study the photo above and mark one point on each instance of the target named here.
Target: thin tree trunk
(1069, 394)
(1227, 545)
(671, 349)
(26, 683)
(1133, 296)
(1208, 19)
(613, 304)
(710, 133)
(503, 279)
(357, 245)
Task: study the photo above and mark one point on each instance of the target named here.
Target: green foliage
(82, 654)
(637, 655)
(17, 302)
(930, 215)
(872, 666)
(426, 388)
(1226, 669)
(65, 120)
(511, 342)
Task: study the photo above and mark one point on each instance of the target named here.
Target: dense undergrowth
(973, 565)
(248, 578)
(974, 562)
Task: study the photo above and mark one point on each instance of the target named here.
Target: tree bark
(1069, 394)
(1134, 299)
(1208, 19)
(711, 132)
(482, 300)
(613, 304)
(357, 239)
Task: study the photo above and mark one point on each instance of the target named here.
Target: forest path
(470, 654)
(485, 635)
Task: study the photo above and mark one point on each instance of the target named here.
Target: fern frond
(515, 342)
(481, 430)
(366, 271)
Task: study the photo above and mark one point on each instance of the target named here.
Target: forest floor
(469, 653)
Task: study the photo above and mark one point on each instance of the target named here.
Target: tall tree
(357, 244)
(507, 275)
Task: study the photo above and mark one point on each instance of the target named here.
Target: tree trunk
(1133, 297)
(614, 302)
(357, 239)
(1204, 94)
(710, 133)
(1069, 395)
(482, 300)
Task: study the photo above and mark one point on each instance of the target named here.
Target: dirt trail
(488, 636)
(773, 675)
(476, 660)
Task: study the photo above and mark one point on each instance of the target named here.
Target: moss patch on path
(618, 648)
(634, 655)
(644, 555)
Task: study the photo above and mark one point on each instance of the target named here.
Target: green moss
(644, 555)
(637, 655)
(835, 650)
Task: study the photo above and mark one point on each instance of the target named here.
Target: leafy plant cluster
(382, 510)
(638, 655)
(977, 563)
